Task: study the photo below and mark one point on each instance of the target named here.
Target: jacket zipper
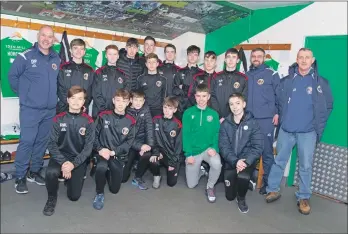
(200, 123)
(237, 140)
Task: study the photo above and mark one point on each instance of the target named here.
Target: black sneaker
(263, 190)
(36, 177)
(50, 205)
(242, 206)
(21, 186)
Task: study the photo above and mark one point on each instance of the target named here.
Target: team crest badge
(160, 72)
(201, 81)
(182, 76)
(309, 90)
(158, 83)
(120, 80)
(236, 85)
(227, 183)
(172, 133)
(85, 76)
(246, 127)
(82, 131)
(54, 66)
(125, 131)
(209, 118)
(260, 81)
(319, 89)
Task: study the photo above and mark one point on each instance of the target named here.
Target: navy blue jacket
(33, 77)
(240, 141)
(263, 91)
(321, 95)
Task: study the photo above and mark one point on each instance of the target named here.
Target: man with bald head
(305, 106)
(33, 77)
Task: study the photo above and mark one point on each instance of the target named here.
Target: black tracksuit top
(114, 132)
(169, 71)
(168, 139)
(71, 74)
(199, 78)
(71, 138)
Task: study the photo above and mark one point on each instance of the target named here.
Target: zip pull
(201, 118)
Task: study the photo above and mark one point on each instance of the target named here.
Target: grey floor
(167, 210)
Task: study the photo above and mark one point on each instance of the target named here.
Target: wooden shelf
(8, 142)
(13, 158)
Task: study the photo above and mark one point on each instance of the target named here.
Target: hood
(246, 117)
(261, 67)
(294, 69)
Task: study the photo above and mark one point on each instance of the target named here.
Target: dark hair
(109, 47)
(237, 95)
(150, 38)
(170, 46)
(258, 49)
(193, 48)
(151, 56)
(202, 88)
(171, 101)
(132, 41)
(305, 49)
(77, 42)
(138, 93)
(209, 54)
(76, 89)
(123, 93)
(232, 51)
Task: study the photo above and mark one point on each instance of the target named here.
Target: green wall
(235, 33)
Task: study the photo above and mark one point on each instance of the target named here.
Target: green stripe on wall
(235, 33)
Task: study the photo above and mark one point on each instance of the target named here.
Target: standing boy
(168, 144)
(200, 141)
(107, 80)
(226, 83)
(70, 144)
(114, 137)
(73, 73)
(241, 144)
(153, 84)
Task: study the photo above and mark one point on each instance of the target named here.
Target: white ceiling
(254, 5)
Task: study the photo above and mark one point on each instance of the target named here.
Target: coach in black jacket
(241, 145)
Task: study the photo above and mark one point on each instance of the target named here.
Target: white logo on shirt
(309, 90)
(142, 115)
(246, 127)
(209, 118)
(144, 84)
(105, 77)
(106, 124)
(63, 125)
(157, 127)
(33, 63)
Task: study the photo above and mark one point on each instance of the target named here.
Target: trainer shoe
(242, 206)
(156, 182)
(272, 196)
(98, 202)
(252, 185)
(50, 206)
(36, 177)
(21, 186)
(139, 183)
(210, 195)
(304, 207)
(263, 190)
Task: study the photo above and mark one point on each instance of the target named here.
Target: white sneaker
(156, 182)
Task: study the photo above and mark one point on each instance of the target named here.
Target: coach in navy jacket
(33, 76)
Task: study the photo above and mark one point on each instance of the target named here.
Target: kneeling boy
(241, 145)
(70, 144)
(114, 137)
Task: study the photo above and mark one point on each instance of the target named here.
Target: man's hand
(153, 158)
(222, 120)
(66, 175)
(170, 168)
(211, 152)
(67, 167)
(190, 160)
(141, 153)
(241, 165)
(275, 119)
(105, 153)
(145, 148)
(160, 157)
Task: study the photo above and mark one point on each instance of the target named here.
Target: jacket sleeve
(191, 92)
(256, 145)
(276, 90)
(53, 145)
(127, 80)
(87, 149)
(329, 105)
(16, 70)
(89, 90)
(149, 129)
(226, 148)
(97, 144)
(125, 146)
(213, 99)
(62, 90)
(98, 98)
(215, 144)
(245, 90)
(186, 134)
(281, 98)
(177, 91)
(155, 150)
(177, 149)
(138, 82)
(164, 89)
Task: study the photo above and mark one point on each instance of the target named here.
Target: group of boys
(138, 105)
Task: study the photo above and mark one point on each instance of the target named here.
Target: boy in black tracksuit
(153, 84)
(107, 80)
(184, 78)
(226, 83)
(73, 73)
(144, 139)
(70, 144)
(114, 137)
(168, 144)
(241, 145)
